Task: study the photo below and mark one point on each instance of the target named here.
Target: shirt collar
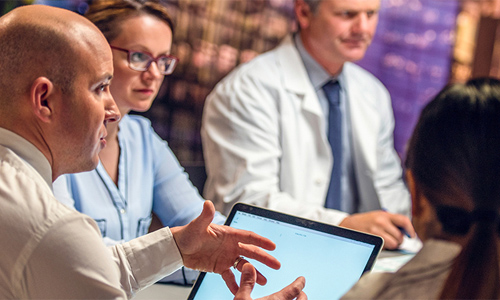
(28, 152)
(317, 74)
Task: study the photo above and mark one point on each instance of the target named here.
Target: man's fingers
(230, 281)
(295, 289)
(247, 282)
(261, 279)
(207, 214)
(251, 238)
(251, 251)
(394, 232)
(403, 223)
(390, 242)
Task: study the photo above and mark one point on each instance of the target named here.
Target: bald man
(55, 69)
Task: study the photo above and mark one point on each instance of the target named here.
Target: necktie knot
(332, 91)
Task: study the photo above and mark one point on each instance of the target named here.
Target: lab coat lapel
(365, 123)
(298, 85)
(295, 77)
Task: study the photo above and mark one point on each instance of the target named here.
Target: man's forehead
(97, 67)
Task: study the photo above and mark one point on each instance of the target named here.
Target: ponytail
(475, 272)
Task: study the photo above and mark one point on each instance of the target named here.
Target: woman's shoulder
(135, 126)
(134, 121)
(136, 132)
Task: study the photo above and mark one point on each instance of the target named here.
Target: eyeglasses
(140, 61)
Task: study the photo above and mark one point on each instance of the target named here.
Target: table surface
(164, 291)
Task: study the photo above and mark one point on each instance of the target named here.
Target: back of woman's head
(454, 156)
(107, 15)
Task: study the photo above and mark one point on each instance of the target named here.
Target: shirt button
(318, 181)
(122, 211)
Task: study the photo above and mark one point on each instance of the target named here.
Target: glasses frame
(168, 71)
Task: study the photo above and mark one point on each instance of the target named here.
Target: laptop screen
(330, 258)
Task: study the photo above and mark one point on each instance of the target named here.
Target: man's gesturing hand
(214, 248)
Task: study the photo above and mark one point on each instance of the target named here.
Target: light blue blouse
(150, 180)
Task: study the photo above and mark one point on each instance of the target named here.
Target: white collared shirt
(50, 251)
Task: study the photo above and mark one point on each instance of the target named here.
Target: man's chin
(88, 166)
(355, 53)
(356, 57)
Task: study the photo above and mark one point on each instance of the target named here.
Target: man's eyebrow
(107, 77)
(103, 79)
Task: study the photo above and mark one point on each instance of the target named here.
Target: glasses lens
(139, 61)
(164, 63)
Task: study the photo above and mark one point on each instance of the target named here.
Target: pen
(403, 231)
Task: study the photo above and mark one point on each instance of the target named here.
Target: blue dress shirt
(150, 180)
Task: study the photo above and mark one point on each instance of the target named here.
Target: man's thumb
(207, 215)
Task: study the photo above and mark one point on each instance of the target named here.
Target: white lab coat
(265, 141)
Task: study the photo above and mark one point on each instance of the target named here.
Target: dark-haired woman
(453, 172)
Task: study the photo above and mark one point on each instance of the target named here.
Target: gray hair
(313, 5)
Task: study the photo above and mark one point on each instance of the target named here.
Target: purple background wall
(411, 55)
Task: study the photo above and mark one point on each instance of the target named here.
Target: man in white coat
(265, 127)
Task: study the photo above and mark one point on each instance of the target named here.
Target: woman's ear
(416, 194)
(42, 95)
(424, 215)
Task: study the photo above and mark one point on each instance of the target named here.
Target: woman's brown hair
(107, 15)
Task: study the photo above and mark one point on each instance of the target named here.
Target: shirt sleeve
(85, 268)
(146, 259)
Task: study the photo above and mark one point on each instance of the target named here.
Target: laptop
(331, 258)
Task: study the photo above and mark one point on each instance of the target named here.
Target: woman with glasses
(138, 174)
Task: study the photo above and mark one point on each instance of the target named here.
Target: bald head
(55, 67)
(37, 40)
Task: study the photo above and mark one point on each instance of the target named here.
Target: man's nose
(361, 23)
(112, 113)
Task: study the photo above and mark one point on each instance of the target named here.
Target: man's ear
(303, 13)
(42, 95)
